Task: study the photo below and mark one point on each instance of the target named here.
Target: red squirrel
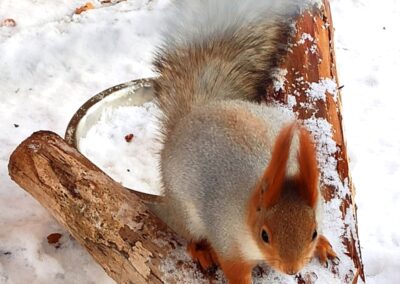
(241, 179)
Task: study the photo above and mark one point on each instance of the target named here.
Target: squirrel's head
(282, 209)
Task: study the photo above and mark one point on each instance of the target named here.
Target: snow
(322, 133)
(304, 37)
(134, 163)
(50, 63)
(279, 79)
(368, 56)
(53, 61)
(318, 90)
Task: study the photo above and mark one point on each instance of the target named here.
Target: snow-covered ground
(368, 56)
(52, 61)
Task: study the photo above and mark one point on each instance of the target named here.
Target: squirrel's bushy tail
(219, 49)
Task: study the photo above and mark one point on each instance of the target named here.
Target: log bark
(123, 236)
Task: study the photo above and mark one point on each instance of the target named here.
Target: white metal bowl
(133, 93)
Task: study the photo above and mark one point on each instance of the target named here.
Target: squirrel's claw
(336, 260)
(203, 253)
(325, 252)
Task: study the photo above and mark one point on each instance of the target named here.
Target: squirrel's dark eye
(314, 235)
(264, 236)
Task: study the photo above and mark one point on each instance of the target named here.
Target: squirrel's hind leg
(202, 252)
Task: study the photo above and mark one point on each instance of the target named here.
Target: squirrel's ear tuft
(308, 175)
(272, 181)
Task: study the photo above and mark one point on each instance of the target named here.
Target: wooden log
(121, 234)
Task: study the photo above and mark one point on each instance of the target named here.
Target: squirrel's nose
(291, 271)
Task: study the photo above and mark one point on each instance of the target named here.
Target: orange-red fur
(204, 254)
(324, 250)
(279, 201)
(308, 174)
(237, 271)
(276, 170)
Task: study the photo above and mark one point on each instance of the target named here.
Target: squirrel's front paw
(324, 251)
(203, 253)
